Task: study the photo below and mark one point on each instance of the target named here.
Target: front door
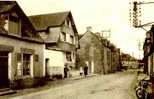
(3, 69)
(46, 67)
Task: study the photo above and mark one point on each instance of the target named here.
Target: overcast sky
(100, 14)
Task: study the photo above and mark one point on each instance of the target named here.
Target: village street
(110, 86)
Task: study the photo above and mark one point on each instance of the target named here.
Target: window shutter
(19, 64)
(18, 56)
(36, 58)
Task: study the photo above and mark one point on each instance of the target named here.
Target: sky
(100, 15)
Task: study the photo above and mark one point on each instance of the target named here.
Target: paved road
(112, 86)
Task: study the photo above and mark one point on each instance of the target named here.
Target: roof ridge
(50, 13)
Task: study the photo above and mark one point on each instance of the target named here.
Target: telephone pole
(135, 14)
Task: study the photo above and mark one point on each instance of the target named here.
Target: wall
(90, 51)
(38, 67)
(149, 65)
(56, 62)
(107, 60)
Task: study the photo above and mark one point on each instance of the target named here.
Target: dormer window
(14, 25)
(68, 56)
(72, 39)
(63, 36)
(3, 23)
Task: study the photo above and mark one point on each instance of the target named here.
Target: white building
(60, 35)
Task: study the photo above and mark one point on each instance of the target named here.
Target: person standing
(81, 71)
(66, 71)
(86, 70)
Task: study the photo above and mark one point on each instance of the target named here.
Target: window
(67, 22)
(68, 56)
(36, 58)
(26, 64)
(72, 40)
(14, 25)
(63, 36)
(18, 57)
(3, 23)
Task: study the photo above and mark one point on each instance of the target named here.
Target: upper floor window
(67, 22)
(63, 36)
(72, 39)
(14, 24)
(3, 23)
(68, 56)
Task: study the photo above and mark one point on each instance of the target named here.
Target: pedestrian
(66, 71)
(86, 70)
(81, 71)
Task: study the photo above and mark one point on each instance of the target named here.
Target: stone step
(6, 91)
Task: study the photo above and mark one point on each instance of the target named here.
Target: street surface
(111, 86)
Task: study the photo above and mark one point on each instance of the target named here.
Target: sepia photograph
(76, 49)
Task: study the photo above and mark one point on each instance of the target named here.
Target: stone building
(91, 52)
(107, 56)
(98, 53)
(21, 49)
(115, 65)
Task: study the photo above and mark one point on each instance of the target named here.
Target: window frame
(63, 36)
(26, 60)
(69, 56)
(72, 39)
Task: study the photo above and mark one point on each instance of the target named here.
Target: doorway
(46, 67)
(3, 69)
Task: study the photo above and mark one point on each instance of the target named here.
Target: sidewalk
(48, 85)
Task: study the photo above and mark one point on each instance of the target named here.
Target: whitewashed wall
(56, 62)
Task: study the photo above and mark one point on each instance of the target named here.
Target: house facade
(115, 65)
(107, 57)
(148, 49)
(60, 35)
(21, 49)
(90, 52)
(98, 53)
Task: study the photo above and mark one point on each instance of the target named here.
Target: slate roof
(6, 6)
(42, 22)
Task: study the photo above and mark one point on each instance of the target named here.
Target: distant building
(107, 56)
(116, 65)
(60, 35)
(90, 52)
(128, 61)
(96, 51)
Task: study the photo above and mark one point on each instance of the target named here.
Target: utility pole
(135, 14)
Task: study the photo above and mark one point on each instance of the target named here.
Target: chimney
(89, 28)
(98, 34)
